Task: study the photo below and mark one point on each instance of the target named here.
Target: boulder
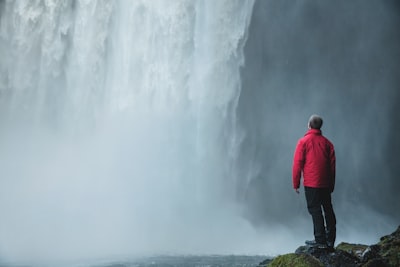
(335, 258)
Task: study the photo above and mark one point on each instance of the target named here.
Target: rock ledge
(386, 253)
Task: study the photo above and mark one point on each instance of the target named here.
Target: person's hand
(297, 190)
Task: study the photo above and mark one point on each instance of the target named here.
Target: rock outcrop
(386, 253)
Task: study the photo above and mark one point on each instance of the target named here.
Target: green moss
(295, 260)
(391, 254)
(354, 249)
(390, 248)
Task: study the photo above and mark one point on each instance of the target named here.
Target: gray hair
(315, 122)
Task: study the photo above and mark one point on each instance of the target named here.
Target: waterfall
(118, 127)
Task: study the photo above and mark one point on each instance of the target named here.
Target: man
(314, 157)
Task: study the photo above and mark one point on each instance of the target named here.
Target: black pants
(317, 198)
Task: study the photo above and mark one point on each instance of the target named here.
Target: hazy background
(339, 59)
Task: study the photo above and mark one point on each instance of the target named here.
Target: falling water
(118, 127)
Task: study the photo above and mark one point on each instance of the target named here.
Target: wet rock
(386, 253)
(370, 253)
(335, 258)
(356, 250)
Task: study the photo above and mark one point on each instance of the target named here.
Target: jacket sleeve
(298, 164)
(332, 158)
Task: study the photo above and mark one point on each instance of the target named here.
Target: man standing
(315, 158)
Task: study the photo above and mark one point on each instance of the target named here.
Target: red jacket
(315, 157)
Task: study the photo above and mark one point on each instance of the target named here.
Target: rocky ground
(386, 253)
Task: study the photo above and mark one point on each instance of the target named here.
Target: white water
(118, 129)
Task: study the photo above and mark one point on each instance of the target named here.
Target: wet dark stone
(386, 253)
(331, 258)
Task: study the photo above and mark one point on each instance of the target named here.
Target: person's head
(315, 122)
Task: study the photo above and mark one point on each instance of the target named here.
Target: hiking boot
(315, 244)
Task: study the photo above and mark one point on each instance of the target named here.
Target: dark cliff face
(338, 59)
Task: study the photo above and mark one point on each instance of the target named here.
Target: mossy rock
(390, 248)
(392, 256)
(295, 260)
(354, 249)
(384, 254)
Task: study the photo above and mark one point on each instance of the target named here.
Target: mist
(339, 60)
(118, 130)
(133, 128)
